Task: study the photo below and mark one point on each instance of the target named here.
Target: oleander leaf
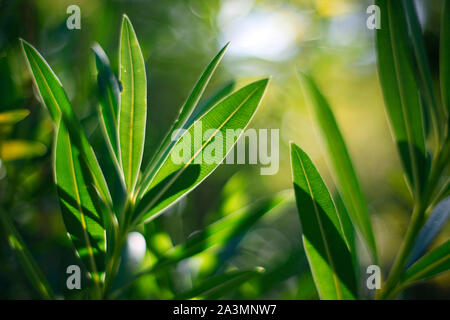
(426, 83)
(177, 177)
(430, 265)
(20, 149)
(132, 105)
(186, 112)
(401, 93)
(109, 92)
(211, 102)
(325, 245)
(339, 159)
(435, 223)
(13, 116)
(55, 99)
(82, 218)
(218, 286)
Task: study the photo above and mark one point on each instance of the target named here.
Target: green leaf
(20, 149)
(443, 57)
(349, 231)
(55, 99)
(211, 102)
(426, 83)
(109, 92)
(324, 241)
(83, 221)
(132, 106)
(218, 286)
(401, 93)
(176, 179)
(339, 159)
(32, 270)
(13, 116)
(184, 115)
(430, 265)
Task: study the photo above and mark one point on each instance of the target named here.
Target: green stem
(113, 264)
(416, 222)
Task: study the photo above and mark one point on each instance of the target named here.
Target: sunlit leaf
(83, 221)
(174, 179)
(55, 99)
(339, 159)
(211, 101)
(323, 239)
(133, 104)
(400, 90)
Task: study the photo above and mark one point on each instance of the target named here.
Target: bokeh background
(178, 38)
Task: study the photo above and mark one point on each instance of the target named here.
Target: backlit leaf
(177, 178)
(323, 239)
(132, 106)
(339, 159)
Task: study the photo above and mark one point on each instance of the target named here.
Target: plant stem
(403, 254)
(416, 222)
(113, 264)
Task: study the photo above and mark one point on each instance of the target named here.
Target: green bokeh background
(178, 38)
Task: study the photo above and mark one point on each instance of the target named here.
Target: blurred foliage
(178, 38)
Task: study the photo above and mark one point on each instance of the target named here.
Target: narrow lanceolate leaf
(338, 157)
(109, 92)
(81, 217)
(444, 53)
(32, 270)
(204, 145)
(349, 231)
(222, 231)
(426, 83)
(13, 116)
(185, 113)
(401, 93)
(435, 223)
(430, 265)
(221, 285)
(324, 241)
(212, 101)
(55, 99)
(133, 104)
